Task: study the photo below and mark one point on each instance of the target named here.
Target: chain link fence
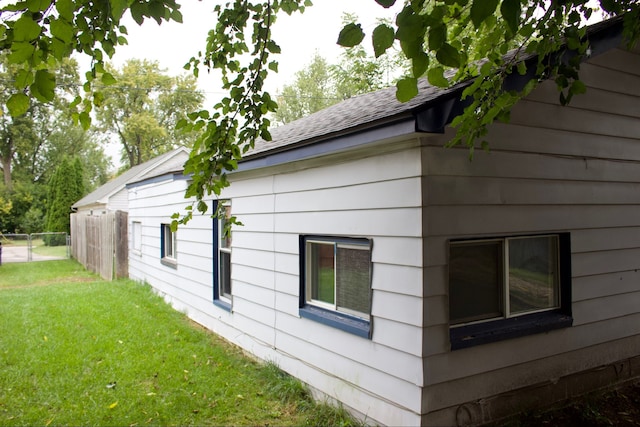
(34, 247)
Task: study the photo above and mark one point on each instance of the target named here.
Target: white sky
(299, 36)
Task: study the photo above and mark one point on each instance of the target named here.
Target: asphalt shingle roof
(359, 112)
(171, 158)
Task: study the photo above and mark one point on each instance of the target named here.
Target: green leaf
(419, 64)
(577, 87)
(85, 120)
(38, 5)
(65, 8)
(411, 48)
(407, 88)
(62, 30)
(117, 8)
(18, 104)
(510, 10)
(156, 10)
(437, 37)
(481, 10)
(448, 56)
(107, 79)
(382, 37)
(44, 85)
(386, 3)
(410, 25)
(98, 99)
(273, 47)
(136, 10)
(176, 16)
(23, 79)
(351, 35)
(436, 77)
(25, 29)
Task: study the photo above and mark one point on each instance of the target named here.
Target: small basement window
(335, 286)
(505, 287)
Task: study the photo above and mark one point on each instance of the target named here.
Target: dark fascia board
(405, 126)
(169, 176)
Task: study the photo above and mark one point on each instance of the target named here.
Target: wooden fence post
(122, 244)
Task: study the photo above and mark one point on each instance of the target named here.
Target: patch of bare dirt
(58, 280)
(619, 408)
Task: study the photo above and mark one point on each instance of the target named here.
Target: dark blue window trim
(528, 324)
(169, 262)
(216, 263)
(351, 324)
(504, 329)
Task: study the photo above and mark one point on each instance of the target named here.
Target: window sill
(169, 262)
(222, 304)
(504, 329)
(350, 324)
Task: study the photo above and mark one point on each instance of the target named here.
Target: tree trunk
(6, 169)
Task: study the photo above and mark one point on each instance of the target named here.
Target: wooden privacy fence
(100, 243)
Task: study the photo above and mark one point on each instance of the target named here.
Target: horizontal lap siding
(374, 197)
(188, 286)
(377, 197)
(552, 169)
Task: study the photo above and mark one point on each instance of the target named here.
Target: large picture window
(336, 282)
(501, 279)
(222, 255)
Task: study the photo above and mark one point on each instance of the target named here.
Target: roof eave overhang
(400, 126)
(435, 115)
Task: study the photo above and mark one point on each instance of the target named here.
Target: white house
(113, 195)
(410, 284)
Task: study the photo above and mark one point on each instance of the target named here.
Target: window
(336, 282)
(505, 287)
(168, 245)
(222, 256)
(136, 236)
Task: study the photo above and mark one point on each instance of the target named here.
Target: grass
(40, 248)
(35, 274)
(76, 350)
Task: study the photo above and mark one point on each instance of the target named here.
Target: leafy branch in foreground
(37, 34)
(240, 118)
(485, 41)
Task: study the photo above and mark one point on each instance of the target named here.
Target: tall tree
(312, 90)
(142, 110)
(31, 145)
(358, 72)
(321, 84)
(65, 188)
(42, 31)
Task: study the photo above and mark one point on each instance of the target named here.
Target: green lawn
(75, 350)
(40, 248)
